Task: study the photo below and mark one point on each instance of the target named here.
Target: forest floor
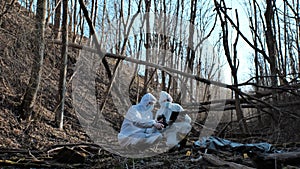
(40, 144)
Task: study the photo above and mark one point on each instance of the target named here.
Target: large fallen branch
(163, 68)
(188, 75)
(170, 70)
(221, 163)
(275, 160)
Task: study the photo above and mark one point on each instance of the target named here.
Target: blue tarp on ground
(216, 143)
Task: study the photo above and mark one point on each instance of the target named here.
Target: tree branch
(93, 34)
(169, 70)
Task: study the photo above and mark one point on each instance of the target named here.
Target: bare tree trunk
(173, 49)
(190, 50)
(271, 42)
(239, 111)
(256, 62)
(63, 68)
(271, 45)
(190, 58)
(147, 44)
(36, 71)
(163, 46)
(48, 11)
(30, 5)
(74, 21)
(95, 12)
(57, 18)
(298, 32)
(233, 62)
(288, 43)
(81, 25)
(92, 12)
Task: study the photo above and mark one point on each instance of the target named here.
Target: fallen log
(276, 160)
(215, 160)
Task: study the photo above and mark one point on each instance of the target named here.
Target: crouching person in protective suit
(137, 127)
(176, 125)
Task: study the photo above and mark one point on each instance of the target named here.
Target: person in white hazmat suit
(181, 126)
(137, 127)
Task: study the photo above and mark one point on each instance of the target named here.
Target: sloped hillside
(40, 135)
(17, 27)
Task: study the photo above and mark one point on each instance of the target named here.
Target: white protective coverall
(179, 126)
(136, 131)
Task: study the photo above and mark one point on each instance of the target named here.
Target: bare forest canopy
(168, 50)
(237, 63)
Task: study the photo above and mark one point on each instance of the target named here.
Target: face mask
(149, 107)
(166, 104)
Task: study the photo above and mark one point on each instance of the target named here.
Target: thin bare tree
(63, 68)
(147, 42)
(34, 83)
(232, 61)
(57, 18)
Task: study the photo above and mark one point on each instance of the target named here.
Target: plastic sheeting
(216, 143)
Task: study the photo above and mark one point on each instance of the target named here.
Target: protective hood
(166, 105)
(164, 96)
(136, 128)
(144, 103)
